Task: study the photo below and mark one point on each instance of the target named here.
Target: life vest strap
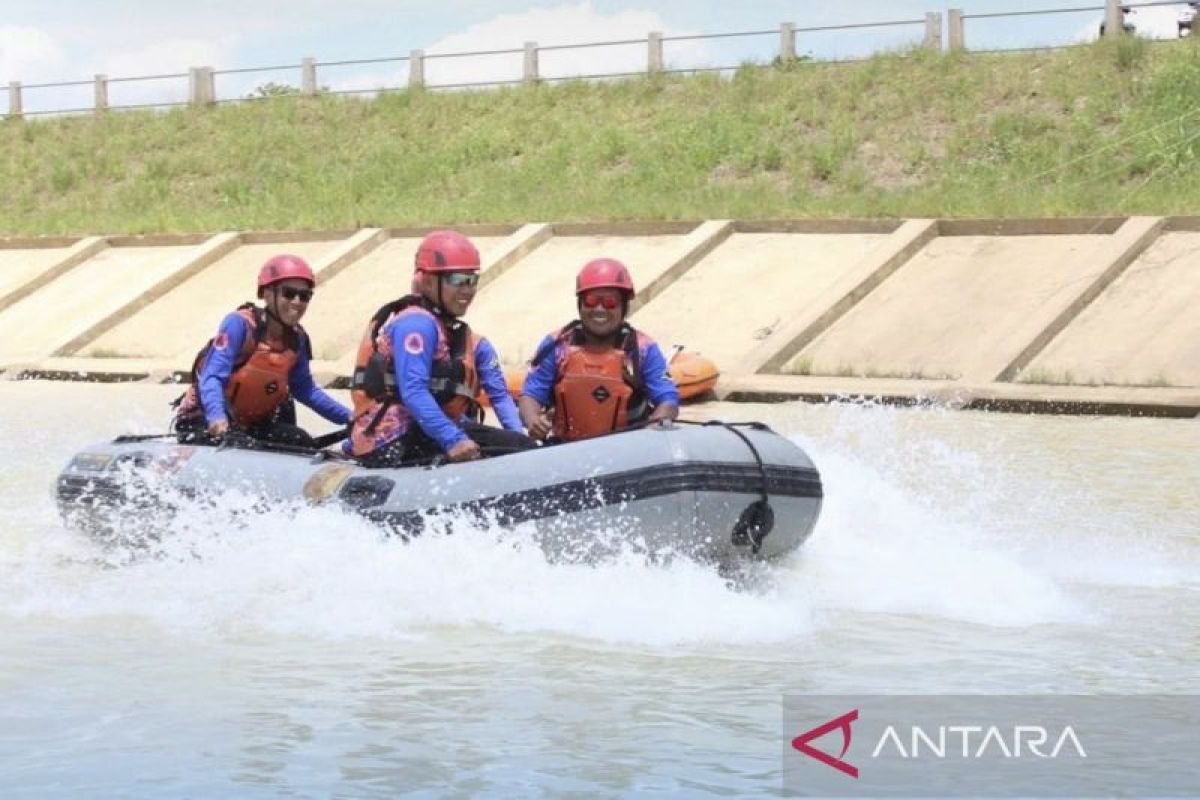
(384, 405)
(363, 376)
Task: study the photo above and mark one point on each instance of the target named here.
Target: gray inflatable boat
(715, 492)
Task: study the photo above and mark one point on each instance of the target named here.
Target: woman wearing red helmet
(244, 377)
(420, 368)
(598, 374)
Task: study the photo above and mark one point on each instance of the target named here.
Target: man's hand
(538, 423)
(540, 426)
(663, 413)
(219, 428)
(466, 450)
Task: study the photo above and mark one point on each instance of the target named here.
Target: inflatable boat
(714, 492)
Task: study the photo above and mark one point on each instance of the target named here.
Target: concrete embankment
(1058, 316)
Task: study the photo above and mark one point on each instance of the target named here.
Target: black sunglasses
(457, 280)
(291, 293)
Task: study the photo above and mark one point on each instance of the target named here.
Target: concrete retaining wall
(1091, 315)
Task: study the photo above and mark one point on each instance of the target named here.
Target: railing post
(201, 86)
(787, 42)
(14, 99)
(1114, 20)
(954, 22)
(308, 76)
(654, 52)
(933, 30)
(101, 93)
(416, 69)
(531, 63)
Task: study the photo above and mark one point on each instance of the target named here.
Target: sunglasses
(291, 293)
(609, 301)
(458, 280)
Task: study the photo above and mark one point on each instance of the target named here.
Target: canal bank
(1083, 315)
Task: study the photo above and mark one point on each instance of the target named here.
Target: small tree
(272, 89)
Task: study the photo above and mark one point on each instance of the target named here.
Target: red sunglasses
(593, 299)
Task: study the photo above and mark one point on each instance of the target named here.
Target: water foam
(979, 530)
(324, 573)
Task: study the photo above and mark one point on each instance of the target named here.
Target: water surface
(306, 655)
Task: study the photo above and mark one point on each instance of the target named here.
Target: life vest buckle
(374, 377)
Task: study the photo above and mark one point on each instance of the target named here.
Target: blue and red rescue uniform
(220, 361)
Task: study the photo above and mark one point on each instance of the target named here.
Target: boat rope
(757, 519)
(331, 438)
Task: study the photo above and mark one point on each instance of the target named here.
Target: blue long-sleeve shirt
(659, 388)
(414, 340)
(218, 366)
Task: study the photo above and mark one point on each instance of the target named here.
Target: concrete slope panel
(747, 287)
(344, 303)
(538, 293)
(19, 266)
(960, 302)
(39, 324)
(179, 323)
(1143, 330)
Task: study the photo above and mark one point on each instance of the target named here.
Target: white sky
(58, 40)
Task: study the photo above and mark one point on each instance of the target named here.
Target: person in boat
(597, 374)
(245, 378)
(420, 366)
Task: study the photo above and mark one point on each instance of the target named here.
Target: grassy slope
(1104, 129)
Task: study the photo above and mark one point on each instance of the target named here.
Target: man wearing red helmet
(419, 368)
(243, 378)
(598, 373)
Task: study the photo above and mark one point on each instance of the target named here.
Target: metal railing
(202, 81)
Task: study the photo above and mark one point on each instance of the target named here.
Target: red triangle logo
(801, 743)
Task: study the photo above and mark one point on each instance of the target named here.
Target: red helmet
(604, 273)
(446, 251)
(282, 268)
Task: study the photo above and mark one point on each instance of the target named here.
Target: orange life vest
(258, 384)
(599, 389)
(454, 378)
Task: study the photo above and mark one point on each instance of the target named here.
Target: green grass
(1046, 377)
(805, 366)
(1108, 129)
